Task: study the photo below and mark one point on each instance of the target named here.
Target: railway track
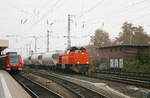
(126, 79)
(80, 91)
(35, 89)
(131, 74)
(138, 79)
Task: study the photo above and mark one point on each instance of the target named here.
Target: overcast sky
(23, 19)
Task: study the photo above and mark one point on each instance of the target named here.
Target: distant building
(3, 45)
(114, 56)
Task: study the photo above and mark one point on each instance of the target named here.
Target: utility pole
(48, 40)
(35, 48)
(35, 44)
(50, 24)
(69, 39)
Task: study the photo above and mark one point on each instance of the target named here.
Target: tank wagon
(48, 61)
(27, 60)
(43, 60)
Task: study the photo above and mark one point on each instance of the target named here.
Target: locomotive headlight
(87, 62)
(78, 62)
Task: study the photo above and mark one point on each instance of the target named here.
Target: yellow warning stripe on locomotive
(76, 69)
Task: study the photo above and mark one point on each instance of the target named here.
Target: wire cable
(45, 15)
(92, 8)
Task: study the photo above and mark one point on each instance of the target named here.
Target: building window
(121, 63)
(116, 63)
(111, 63)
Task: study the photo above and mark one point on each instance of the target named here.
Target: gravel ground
(51, 85)
(129, 90)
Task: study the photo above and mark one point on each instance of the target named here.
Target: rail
(35, 89)
(123, 78)
(79, 90)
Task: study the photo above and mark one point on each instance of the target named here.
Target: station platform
(9, 88)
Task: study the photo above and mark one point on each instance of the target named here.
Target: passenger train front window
(14, 59)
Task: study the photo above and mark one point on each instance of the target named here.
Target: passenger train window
(14, 59)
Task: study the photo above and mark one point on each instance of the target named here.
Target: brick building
(114, 56)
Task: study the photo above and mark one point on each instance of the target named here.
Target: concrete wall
(4, 43)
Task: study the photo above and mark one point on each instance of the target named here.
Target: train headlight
(87, 62)
(78, 62)
(20, 65)
(8, 65)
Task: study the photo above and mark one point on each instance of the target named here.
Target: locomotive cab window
(78, 51)
(83, 50)
(68, 51)
(72, 50)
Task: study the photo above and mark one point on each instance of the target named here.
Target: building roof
(3, 44)
(123, 46)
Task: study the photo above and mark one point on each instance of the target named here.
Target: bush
(95, 63)
(130, 66)
(145, 68)
(142, 57)
(141, 64)
(136, 66)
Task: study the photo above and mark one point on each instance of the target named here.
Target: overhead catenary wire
(133, 19)
(138, 17)
(127, 9)
(92, 8)
(136, 3)
(89, 21)
(45, 15)
(130, 5)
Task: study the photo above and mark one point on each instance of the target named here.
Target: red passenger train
(11, 62)
(75, 59)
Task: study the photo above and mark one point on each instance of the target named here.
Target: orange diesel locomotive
(75, 59)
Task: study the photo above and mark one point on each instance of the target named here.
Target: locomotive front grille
(83, 68)
(14, 68)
